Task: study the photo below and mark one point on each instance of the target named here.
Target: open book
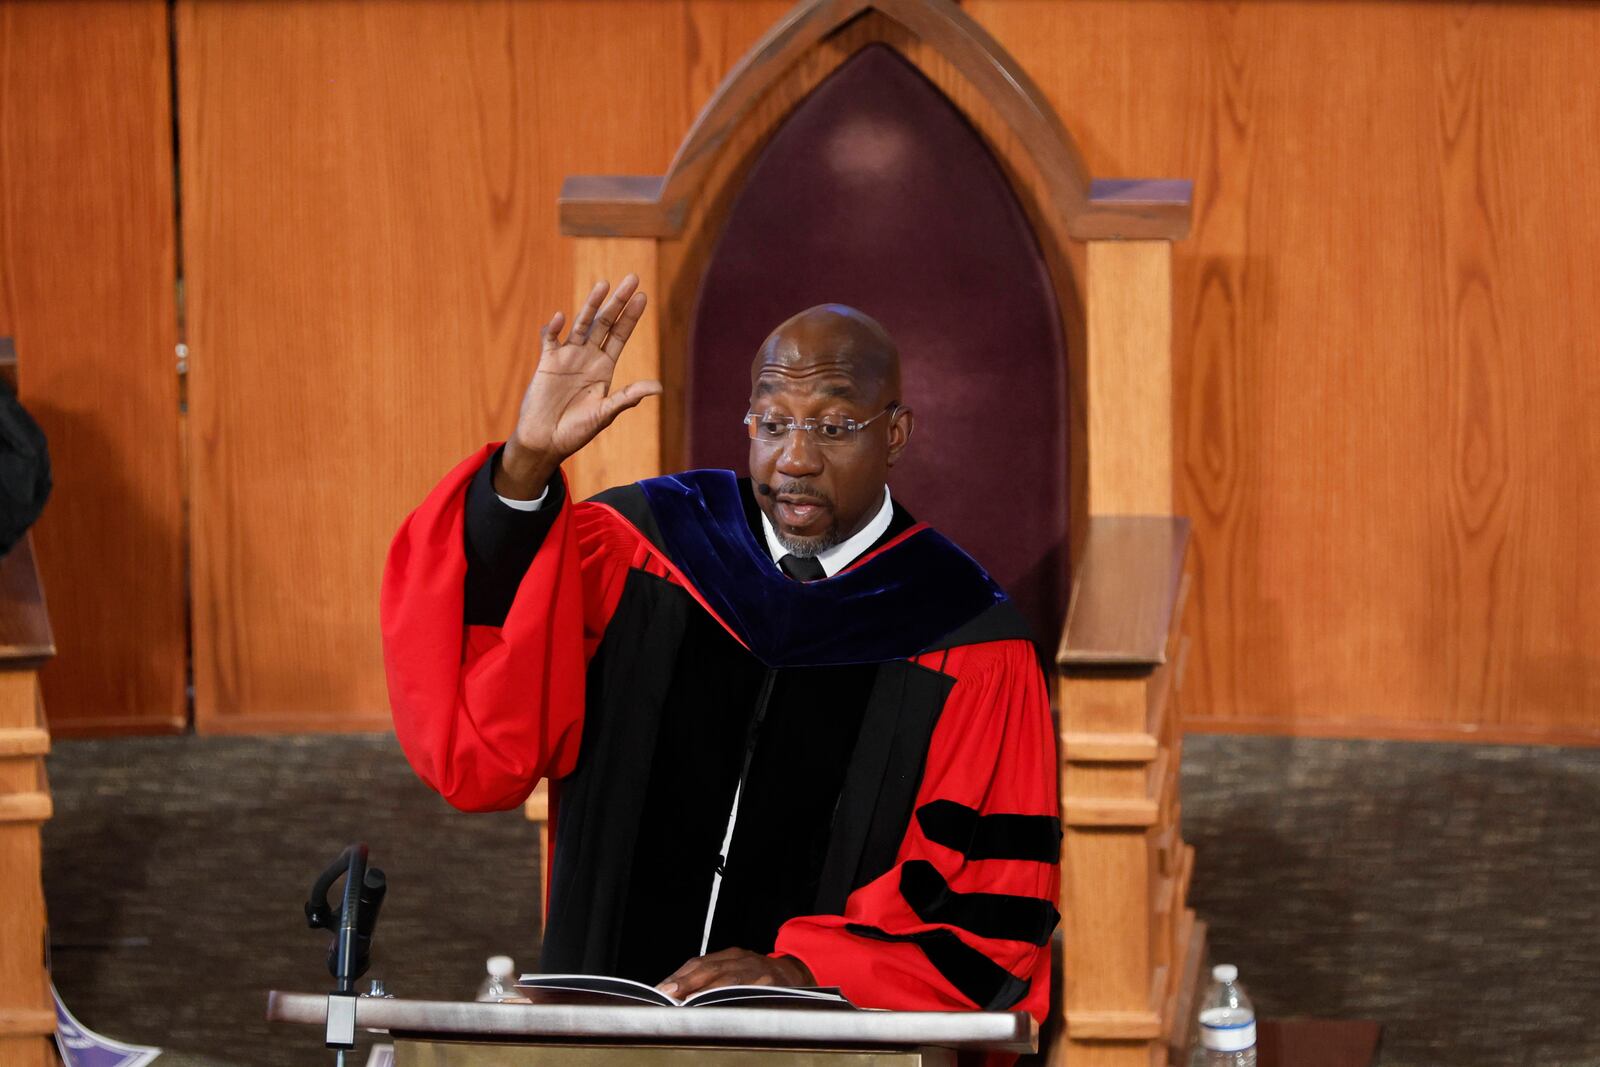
(598, 989)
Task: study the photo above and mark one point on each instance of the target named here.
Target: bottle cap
(501, 966)
(1225, 972)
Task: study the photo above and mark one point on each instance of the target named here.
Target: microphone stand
(353, 924)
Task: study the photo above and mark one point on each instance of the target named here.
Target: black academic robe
(886, 733)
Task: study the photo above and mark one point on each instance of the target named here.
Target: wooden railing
(1132, 948)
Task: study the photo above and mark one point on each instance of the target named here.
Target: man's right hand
(569, 401)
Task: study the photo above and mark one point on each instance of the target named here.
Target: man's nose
(801, 455)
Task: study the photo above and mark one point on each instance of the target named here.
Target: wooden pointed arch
(1118, 209)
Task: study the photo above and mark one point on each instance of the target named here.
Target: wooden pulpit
(448, 1034)
(891, 155)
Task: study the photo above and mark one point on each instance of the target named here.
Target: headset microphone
(763, 488)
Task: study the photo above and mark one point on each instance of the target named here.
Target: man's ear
(901, 423)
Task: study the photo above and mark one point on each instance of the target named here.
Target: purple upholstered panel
(877, 193)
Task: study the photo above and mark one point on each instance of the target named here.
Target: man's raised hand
(570, 399)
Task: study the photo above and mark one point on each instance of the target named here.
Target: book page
(600, 989)
(590, 989)
(766, 996)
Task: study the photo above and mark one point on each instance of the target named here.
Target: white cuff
(526, 505)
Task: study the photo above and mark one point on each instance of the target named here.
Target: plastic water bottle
(499, 984)
(1227, 1022)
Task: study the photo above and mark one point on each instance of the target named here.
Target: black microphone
(354, 921)
(352, 947)
(763, 488)
(352, 924)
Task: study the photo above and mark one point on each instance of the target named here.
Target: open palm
(570, 399)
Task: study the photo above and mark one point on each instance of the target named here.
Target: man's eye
(772, 428)
(831, 431)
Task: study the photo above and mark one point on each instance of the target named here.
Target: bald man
(794, 736)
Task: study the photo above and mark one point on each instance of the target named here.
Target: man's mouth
(799, 512)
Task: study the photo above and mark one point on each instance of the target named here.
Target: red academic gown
(920, 874)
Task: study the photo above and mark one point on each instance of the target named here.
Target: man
(794, 737)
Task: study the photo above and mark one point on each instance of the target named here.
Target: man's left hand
(735, 966)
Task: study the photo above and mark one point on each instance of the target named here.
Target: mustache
(800, 492)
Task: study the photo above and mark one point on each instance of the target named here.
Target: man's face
(822, 493)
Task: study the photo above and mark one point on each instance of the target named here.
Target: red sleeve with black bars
(963, 920)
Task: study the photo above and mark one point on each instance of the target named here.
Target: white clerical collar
(844, 553)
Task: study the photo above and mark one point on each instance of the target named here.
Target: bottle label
(1227, 1029)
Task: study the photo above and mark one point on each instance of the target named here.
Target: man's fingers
(622, 329)
(586, 314)
(706, 975)
(711, 960)
(731, 966)
(612, 310)
(621, 400)
(677, 974)
(550, 336)
(682, 980)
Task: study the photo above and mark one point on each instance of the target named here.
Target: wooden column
(1133, 949)
(1129, 288)
(26, 1017)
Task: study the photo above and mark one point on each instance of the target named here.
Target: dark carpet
(1447, 891)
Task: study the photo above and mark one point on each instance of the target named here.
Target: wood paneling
(370, 233)
(1384, 345)
(87, 287)
(1129, 368)
(1382, 323)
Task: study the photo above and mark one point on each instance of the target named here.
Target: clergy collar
(844, 553)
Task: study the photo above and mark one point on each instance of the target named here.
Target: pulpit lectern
(432, 1033)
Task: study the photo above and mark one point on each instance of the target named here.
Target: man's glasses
(828, 430)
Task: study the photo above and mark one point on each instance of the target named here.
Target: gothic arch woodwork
(876, 192)
(1132, 948)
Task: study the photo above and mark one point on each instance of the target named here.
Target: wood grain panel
(1129, 356)
(87, 286)
(1384, 334)
(371, 248)
(1382, 322)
